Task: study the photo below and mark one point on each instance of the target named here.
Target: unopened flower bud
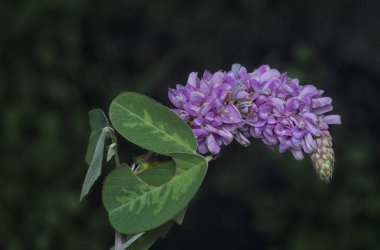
(323, 158)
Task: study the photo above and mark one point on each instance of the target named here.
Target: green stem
(119, 238)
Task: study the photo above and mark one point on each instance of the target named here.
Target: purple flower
(264, 104)
(287, 114)
(202, 104)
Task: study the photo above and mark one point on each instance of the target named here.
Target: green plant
(145, 199)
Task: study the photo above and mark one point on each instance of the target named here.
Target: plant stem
(119, 238)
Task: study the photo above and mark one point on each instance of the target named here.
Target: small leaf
(111, 151)
(151, 125)
(149, 238)
(98, 119)
(94, 138)
(179, 217)
(134, 206)
(95, 168)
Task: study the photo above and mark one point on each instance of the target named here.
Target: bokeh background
(61, 58)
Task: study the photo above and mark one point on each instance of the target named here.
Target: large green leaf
(95, 168)
(150, 237)
(155, 176)
(134, 206)
(151, 125)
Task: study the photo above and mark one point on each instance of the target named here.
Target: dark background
(59, 59)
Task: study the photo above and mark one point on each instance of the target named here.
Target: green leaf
(149, 238)
(111, 151)
(134, 206)
(98, 119)
(95, 168)
(159, 174)
(151, 125)
(94, 138)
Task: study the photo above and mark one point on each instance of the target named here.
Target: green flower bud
(323, 158)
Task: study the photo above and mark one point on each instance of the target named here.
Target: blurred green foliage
(59, 59)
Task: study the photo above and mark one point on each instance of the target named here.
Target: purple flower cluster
(263, 104)
(204, 104)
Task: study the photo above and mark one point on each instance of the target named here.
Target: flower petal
(239, 137)
(322, 110)
(297, 154)
(202, 148)
(212, 145)
(321, 102)
(332, 119)
(192, 80)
